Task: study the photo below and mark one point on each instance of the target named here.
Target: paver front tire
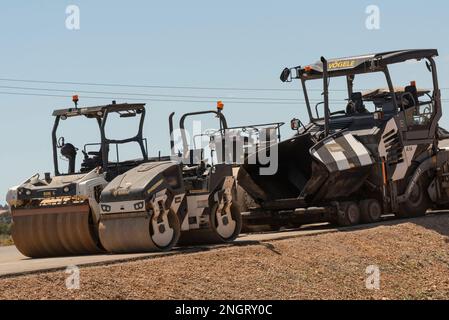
(349, 214)
(418, 202)
(370, 210)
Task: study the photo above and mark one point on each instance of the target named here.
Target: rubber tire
(349, 214)
(275, 227)
(418, 203)
(294, 225)
(370, 211)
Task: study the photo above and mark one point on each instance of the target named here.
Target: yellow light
(220, 105)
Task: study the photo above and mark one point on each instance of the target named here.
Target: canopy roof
(99, 111)
(364, 63)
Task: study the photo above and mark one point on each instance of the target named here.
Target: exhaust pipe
(326, 96)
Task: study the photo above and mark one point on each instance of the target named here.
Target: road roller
(59, 215)
(379, 151)
(188, 200)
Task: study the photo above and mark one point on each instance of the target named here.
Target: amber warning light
(220, 105)
(75, 100)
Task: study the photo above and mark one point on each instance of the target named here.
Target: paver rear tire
(418, 202)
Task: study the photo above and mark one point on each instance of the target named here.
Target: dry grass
(413, 258)
(6, 240)
(5, 231)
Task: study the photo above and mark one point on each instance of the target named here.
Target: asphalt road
(12, 262)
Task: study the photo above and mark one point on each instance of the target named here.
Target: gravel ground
(413, 259)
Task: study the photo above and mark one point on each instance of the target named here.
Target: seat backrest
(414, 92)
(356, 97)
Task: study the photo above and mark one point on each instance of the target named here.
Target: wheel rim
(353, 213)
(416, 195)
(225, 223)
(163, 232)
(375, 211)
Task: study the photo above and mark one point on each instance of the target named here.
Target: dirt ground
(412, 257)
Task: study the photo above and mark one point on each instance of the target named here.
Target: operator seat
(90, 163)
(410, 96)
(355, 104)
(69, 152)
(194, 163)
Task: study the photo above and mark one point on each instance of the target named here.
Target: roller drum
(55, 231)
(138, 232)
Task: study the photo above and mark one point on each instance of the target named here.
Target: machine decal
(341, 64)
(342, 152)
(389, 136)
(398, 158)
(402, 167)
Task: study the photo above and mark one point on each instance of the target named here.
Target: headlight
(66, 189)
(139, 205)
(105, 208)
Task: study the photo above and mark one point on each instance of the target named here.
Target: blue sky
(237, 44)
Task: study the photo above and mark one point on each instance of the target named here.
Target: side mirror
(286, 75)
(295, 124)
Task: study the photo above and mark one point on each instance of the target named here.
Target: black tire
(418, 202)
(349, 214)
(275, 226)
(294, 225)
(370, 211)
